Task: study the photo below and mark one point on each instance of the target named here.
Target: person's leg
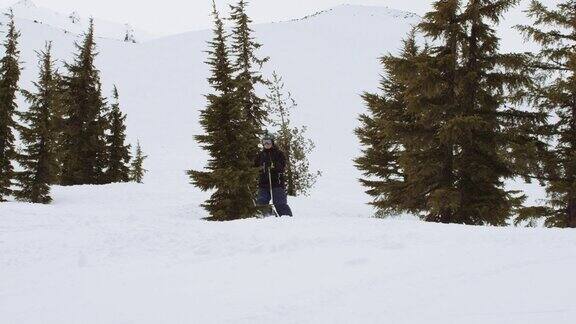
(263, 197)
(281, 202)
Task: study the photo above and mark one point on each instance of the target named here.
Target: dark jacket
(274, 160)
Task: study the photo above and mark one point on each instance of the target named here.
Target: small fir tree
(554, 30)
(129, 35)
(118, 152)
(84, 142)
(291, 140)
(38, 159)
(228, 138)
(74, 17)
(137, 170)
(9, 77)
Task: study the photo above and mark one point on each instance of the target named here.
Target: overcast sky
(163, 17)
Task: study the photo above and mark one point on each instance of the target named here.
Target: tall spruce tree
(9, 77)
(38, 158)
(118, 151)
(383, 133)
(58, 127)
(84, 142)
(486, 131)
(228, 138)
(247, 65)
(447, 132)
(431, 104)
(291, 140)
(554, 30)
(137, 170)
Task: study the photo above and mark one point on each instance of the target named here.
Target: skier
(272, 162)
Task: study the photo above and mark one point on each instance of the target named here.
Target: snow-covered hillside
(128, 253)
(73, 22)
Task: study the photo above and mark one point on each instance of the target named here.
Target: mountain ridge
(74, 23)
(392, 12)
(343, 11)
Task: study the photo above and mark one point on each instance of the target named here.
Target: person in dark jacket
(272, 162)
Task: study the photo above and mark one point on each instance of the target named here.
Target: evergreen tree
(58, 127)
(487, 131)
(384, 131)
(228, 138)
(432, 104)
(137, 170)
(38, 159)
(247, 65)
(446, 133)
(118, 151)
(129, 35)
(291, 140)
(554, 30)
(9, 76)
(84, 142)
(74, 17)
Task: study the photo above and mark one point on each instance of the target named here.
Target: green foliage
(246, 66)
(57, 121)
(83, 141)
(38, 158)
(382, 133)
(118, 152)
(446, 134)
(291, 140)
(229, 139)
(9, 76)
(137, 170)
(554, 94)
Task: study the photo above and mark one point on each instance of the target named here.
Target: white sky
(176, 16)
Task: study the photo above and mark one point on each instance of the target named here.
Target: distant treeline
(70, 134)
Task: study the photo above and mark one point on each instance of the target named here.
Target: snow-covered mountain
(74, 23)
(128, 253)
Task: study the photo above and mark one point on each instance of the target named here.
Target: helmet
(268, 137)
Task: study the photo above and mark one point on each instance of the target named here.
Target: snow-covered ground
(129, 253)
(132, 254)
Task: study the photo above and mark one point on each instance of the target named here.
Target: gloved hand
(267, 166)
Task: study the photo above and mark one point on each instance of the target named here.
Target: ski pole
(272, 191)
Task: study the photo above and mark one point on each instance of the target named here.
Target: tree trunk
(291, 190)
(571, 213)
(571, 207)
(466, 214)
(447, 212)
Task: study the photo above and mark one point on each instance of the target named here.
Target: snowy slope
(129, 253)
(126, 254)
(73, 22)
